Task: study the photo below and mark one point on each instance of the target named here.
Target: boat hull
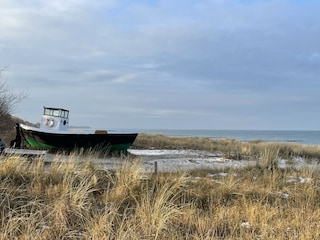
(61, 141)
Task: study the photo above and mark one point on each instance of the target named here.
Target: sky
(165, 64)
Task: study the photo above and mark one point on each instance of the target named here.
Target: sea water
(294, 136)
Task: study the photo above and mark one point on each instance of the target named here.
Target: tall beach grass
(231, 148)
(79, 199)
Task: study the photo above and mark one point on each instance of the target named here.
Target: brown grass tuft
(75, 198)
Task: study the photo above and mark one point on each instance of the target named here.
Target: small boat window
(56, 112)
(47, 111)
(64, 114)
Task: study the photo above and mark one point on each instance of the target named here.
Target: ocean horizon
(308, 137)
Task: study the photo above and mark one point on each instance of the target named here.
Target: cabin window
(56, 112)
(64, 114)
(46, 111)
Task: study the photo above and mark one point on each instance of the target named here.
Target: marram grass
(78, 199)
(231, 148)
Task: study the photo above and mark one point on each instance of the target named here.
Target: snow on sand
(177, 160)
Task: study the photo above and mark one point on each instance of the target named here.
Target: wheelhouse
(55, 119)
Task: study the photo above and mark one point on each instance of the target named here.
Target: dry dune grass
(232, 148)
(197, 143)
(78, 199)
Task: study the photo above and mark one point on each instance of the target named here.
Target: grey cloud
(164, 60)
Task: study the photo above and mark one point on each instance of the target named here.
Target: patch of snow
(297, 163)
(299, 180)
(284, 195)
(216, 181)
(282, 163)
(211, 175)
(222, 174)
(299, 160)
(159, 152)
(305, 180)
(292, 180)
(245, 224)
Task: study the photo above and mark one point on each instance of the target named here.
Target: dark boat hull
(107, 142)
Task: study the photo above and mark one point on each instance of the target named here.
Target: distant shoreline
(282, 136)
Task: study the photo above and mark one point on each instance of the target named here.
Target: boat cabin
(56, 119)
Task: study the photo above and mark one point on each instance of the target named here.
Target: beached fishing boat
(54, 133)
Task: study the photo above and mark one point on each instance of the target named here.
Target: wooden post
(237, 152)
(155, 167)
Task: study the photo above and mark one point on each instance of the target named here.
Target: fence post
(155, 167)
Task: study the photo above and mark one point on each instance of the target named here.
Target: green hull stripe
(36, 144)
(117, 147)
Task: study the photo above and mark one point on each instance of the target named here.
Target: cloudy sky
(177, 64)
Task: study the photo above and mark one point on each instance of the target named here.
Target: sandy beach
(164, 160)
